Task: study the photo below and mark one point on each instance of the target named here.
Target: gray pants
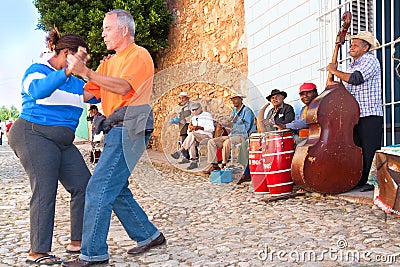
(48, 156)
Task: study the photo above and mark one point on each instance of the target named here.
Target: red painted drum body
(257, 172)
(278, 150)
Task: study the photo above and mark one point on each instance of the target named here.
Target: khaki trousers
(191, 141)
(224, 142)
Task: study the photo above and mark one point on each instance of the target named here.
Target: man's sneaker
(183, 161)
(176, 155)
(193, 165)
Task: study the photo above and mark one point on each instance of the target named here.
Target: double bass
(329, 162)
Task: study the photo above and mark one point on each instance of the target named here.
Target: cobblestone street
(208, 224)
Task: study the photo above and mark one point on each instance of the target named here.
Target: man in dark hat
(307, 92)
(281, 113)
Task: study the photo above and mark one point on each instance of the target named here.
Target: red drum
(278, 150)
(257, 172)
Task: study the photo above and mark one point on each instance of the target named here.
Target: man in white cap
(240, 122)
(363, 81)
(201, 127)
(183, 112)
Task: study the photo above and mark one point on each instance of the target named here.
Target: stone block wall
(207, 58)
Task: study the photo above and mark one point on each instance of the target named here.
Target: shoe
(41, 260)
(193, 165)
(184, 161)
(211, 168)
(176, 155)
(156, 242)
(81, 263)
(244, 178)
(367, 187)
(73, 251)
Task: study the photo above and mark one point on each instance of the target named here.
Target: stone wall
(207, 58)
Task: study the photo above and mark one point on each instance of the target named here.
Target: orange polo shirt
(304, 132)
(135, 66)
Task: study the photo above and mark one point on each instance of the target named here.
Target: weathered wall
(203, 31)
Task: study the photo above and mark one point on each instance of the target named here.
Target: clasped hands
(76, 64)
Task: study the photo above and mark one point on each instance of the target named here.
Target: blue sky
(20, 44)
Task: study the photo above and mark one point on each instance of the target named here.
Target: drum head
(257, 135)
(280, 131)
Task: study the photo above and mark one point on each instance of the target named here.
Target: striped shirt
(369, 93)
(51, 98)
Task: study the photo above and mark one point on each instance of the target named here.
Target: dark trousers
(368, 135)
(48, 156)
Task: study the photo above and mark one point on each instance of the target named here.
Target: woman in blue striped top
(42, 138)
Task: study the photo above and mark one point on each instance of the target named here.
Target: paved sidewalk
(209, 224)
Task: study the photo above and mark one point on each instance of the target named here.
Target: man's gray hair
(365, 43)
(124, 18)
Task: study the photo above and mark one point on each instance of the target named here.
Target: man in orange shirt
(124, 84)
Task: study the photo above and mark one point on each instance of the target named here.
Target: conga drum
(257, 172)
(277, 155)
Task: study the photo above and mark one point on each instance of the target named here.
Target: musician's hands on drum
(280, 127)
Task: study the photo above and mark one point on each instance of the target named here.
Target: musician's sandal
(45, 260)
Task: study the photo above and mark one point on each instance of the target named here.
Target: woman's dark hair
(71, 41)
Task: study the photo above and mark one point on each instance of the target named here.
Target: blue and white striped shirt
(51, 98)
(369, 93)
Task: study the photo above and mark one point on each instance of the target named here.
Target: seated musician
(280, 113)
(201, 126)
(240, 124)
(307, 92)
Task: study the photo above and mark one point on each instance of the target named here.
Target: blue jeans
(108, 191)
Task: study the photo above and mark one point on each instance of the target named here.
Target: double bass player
(363, 81)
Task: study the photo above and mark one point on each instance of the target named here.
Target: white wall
(283, 48)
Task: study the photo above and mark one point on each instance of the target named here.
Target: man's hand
(332, 67)
(106, 58)
(82, 55)
(77, 66)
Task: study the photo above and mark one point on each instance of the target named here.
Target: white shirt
(204, 120)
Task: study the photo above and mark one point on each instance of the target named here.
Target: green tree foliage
(85, 17)
(6, 113)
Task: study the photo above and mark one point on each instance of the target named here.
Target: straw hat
(183, 94)
(366, 36)
(238, 95)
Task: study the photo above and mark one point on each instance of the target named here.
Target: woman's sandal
(42, 260)
(73, 249)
